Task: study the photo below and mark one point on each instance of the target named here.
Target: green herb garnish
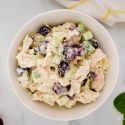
(119, 104)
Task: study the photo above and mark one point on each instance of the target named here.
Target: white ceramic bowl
(106, 43)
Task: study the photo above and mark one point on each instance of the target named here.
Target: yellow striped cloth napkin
(107, 11)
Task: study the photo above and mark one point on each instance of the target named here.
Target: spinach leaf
(123, 120)
(119, 103)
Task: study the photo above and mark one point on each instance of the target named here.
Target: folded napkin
(107, 11)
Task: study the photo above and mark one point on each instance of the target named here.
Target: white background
(13, 14)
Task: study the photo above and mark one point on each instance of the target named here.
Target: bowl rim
(11, 81)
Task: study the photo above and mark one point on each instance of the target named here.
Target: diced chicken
(48, 61)
(43, 76)
(75, 89)
(27, 43)
(23, 82)
(87, 96)
(32, 87)
(26, 60)
(37, 96)
(46, 88)
(82, 72)
(105, 63)
(63, 81)
(62, 100)
(47, 98)
(96, 57)
(98, 83)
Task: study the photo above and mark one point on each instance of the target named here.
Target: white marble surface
(13, 14)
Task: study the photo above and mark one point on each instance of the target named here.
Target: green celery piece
(87, 35)
(81, 27)
(88, 47)
(55, 42)
(37, 39)
(119, 103)
(58, 56)
(35, 74)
